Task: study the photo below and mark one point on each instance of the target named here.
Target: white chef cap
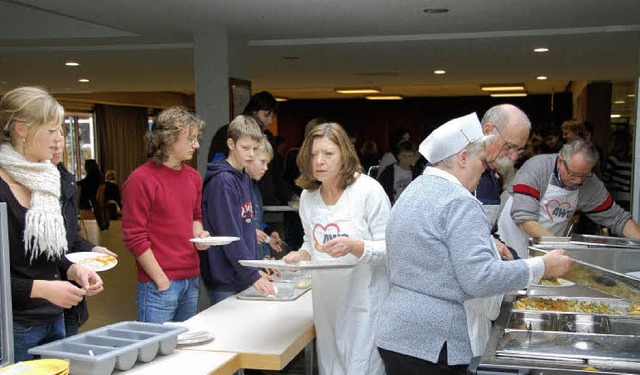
(451, 138)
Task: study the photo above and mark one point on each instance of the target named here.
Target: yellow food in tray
(547, 304)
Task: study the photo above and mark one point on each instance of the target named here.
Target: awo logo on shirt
(247, 211)
(560, 210)
(325, 233)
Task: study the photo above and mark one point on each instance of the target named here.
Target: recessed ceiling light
(509, 94)
(615, 115)
(358, 90)
(83, 80)
(435, 10)
(72, 63)
(541, 49)
(383, 97)
(618, 102)
(439, 71)
(281, 99)
(507, 87)
(541, 78)
(631, 95)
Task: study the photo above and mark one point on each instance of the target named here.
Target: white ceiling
(146, 45)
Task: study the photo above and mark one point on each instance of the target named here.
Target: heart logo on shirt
(558, 210)
(321, 232)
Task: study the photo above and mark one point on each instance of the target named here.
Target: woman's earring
(24, 147)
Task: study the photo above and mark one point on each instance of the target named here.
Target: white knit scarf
(44, 231)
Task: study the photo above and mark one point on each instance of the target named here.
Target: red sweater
(159, 206)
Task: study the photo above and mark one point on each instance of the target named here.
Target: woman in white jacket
(344, 214)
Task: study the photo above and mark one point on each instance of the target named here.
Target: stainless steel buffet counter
(603, 338)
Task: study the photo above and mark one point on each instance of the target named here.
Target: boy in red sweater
(161, 212)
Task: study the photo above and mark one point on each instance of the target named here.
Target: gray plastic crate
(116, 346)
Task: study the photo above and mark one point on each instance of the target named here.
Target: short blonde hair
(244, 126)
(350, 160)
(265, 146)
(165, 131)
(31, 106)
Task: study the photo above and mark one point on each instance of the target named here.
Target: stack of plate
(38, 367)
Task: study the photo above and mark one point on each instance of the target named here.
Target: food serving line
(590, 323)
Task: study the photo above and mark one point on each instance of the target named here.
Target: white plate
(562, 282)
(94, 261)
(635, 274)
(214, 241)
(195, 339)
(303, 265)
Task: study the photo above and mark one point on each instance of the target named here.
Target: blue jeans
(217, 296)
(27, 336)
(176, 304)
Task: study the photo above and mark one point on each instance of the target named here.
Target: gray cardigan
(439, 255)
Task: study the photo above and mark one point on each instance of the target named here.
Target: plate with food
(214, 241)
(554, 282)
(94, 261)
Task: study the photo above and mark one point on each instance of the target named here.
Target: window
(80, 142)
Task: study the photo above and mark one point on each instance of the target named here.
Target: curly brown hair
(166, 129)
(350, 161)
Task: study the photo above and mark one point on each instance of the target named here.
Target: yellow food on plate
(549, 282)
(302, 284)
(590, 368)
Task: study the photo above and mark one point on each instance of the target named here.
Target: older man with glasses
(508, 127)
(549, 189)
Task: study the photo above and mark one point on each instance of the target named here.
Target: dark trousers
(401, 364)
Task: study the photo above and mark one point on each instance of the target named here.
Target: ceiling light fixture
(619, 102)
(507, 87)
(383, 97)
(357, 90)
(439, 71)
(83, 80)
(631, 95)
(281, 99)
(509, 95)
(615, 115)
(541, 78)
(435, 10)
(72, 63)
(541, 49)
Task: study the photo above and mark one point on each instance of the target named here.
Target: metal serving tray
(613, 303)
(252, 294)
(591, 240)
(564, 345)
(116, 346)
(597, 277)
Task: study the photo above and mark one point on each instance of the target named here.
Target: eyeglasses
(575, 176)
(193, 140)
(510, 146)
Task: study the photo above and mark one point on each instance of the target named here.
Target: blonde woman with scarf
(31, 122)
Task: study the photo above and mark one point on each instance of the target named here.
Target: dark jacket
(29, 310)
(218, 146)
(227, 210)
(386, 180)
(68, 199)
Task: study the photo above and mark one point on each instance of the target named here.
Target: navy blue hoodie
(227, 210)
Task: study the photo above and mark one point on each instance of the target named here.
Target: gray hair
(577, 146)
(499, 115)
(475, 150)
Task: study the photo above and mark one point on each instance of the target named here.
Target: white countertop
(266, 334)
(188, 362)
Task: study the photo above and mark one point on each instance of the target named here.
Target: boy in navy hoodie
(227, 210)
